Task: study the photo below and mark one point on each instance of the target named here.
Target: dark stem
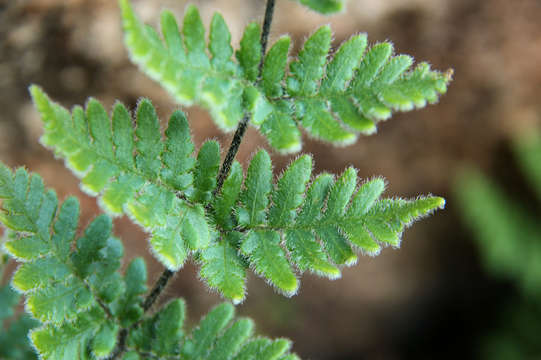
(269, 13)
(241, 128)
(160, 285)
(231, 153)
(158, 288)
(121, 347)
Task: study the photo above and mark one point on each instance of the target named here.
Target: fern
(191, 204)
(144, 186)
(217, 336)
(332, 99)
(72, 292)
(74, 289)
(270, 227)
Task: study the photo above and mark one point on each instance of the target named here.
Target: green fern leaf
(208, 164)
(72, 287)
(231, 340)
(332, 99)
(266, 349)
(223, 269)
(168, 328)
(127, 308)
(204, 335)
(70, 340)
(249, 54)
(217, 336)
(257, 187)
(272, 228)
(146, 185)
(228, 197)
(315, 229)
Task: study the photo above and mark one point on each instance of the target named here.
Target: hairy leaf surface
(276, 228)
(333, 98)
(157, 182)
(218, 336)
(286, 227)
(72, 286)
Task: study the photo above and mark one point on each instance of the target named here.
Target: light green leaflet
(254, 222)
(287, 225)
(72, 286)
(333, 99)
(137, 173)
(218, 336)
(74, 289)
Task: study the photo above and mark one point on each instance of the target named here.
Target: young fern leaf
(278, 228)
(217, 337)
(333, 99)
(269, 227)
(74, 291)
(162, 187)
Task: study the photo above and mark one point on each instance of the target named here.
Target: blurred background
(467, 281)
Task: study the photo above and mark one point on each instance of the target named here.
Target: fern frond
(74, 289)
(70, 286)
(158, 183)
(217, 336)
(282, 226)
(272, 228)
(333, 99)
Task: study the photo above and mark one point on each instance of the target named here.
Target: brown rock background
(431, 298)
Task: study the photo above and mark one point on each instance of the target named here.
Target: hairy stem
(160, 285)
(231, 153)
(269, 13)
(121, 347)
(241, 128)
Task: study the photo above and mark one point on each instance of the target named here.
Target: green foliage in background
(194, 205)
(332, 99)
(509, 239)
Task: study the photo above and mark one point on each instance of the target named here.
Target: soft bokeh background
(432, 298)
